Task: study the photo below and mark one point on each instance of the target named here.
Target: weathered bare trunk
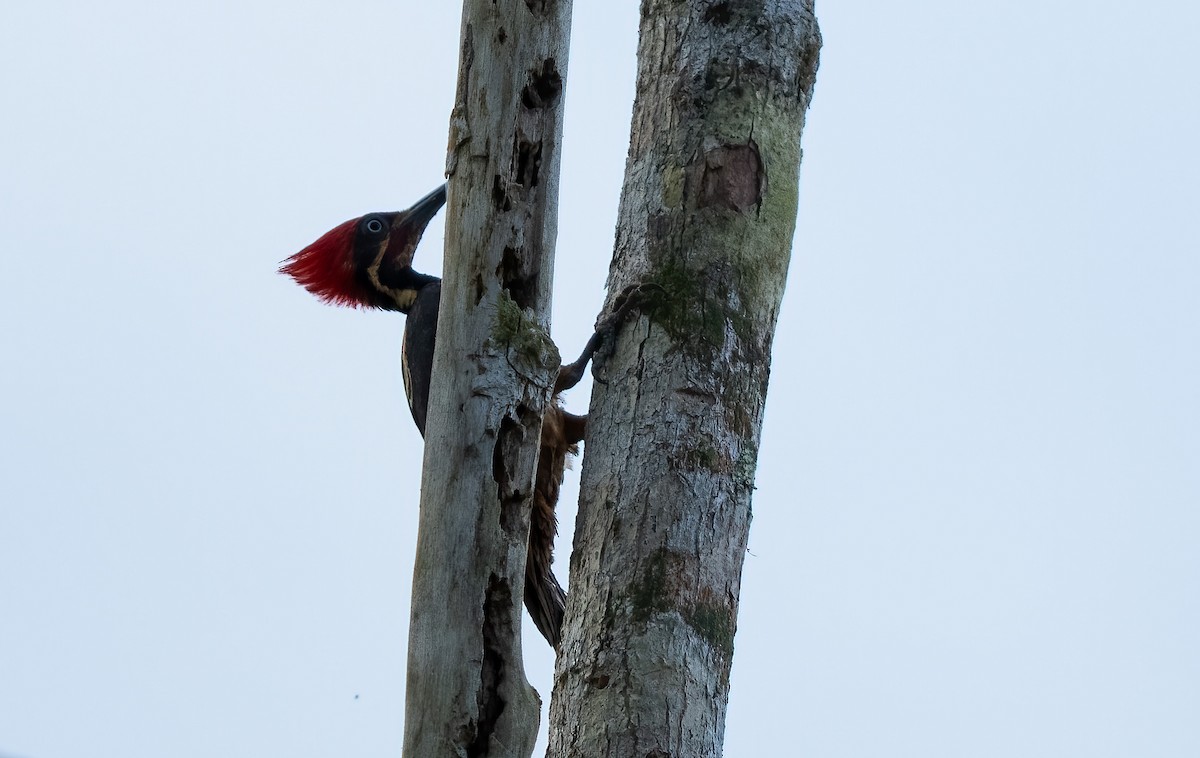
(493, 369)
(707, 215)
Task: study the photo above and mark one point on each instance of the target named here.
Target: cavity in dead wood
(520, 283)
(528, 163)
(506, 456)
(544, 88)
(496, 605)
(500, 197)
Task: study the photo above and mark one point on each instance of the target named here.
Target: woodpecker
(367, 262)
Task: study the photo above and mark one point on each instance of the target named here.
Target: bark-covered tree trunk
(492, 374)
(707, 215)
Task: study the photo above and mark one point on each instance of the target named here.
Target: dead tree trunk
(492, 374)
(707, 215)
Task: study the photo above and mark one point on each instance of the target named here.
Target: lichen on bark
(523, 339)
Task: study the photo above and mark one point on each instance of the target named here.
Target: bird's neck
(409, 288)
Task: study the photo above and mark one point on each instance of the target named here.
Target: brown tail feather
(544, 596)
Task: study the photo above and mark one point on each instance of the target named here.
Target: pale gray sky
(977, 523)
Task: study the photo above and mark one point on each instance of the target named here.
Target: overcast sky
(977, 523)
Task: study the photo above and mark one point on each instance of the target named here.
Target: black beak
(422, 211)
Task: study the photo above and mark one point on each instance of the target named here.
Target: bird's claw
(633, 296)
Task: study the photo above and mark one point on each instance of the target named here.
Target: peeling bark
(707, 215)
(493, 371)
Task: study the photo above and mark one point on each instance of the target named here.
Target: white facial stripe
(373, 269)
(404, 298)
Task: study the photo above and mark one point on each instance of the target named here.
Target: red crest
(326, 267)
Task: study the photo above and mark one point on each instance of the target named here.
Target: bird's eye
(373, 226)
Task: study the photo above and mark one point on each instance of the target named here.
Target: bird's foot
(604, 336)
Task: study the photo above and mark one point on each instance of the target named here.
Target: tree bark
(706, 217)
(493, 370)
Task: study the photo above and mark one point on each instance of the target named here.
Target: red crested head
(326, 267)
(367, 261)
